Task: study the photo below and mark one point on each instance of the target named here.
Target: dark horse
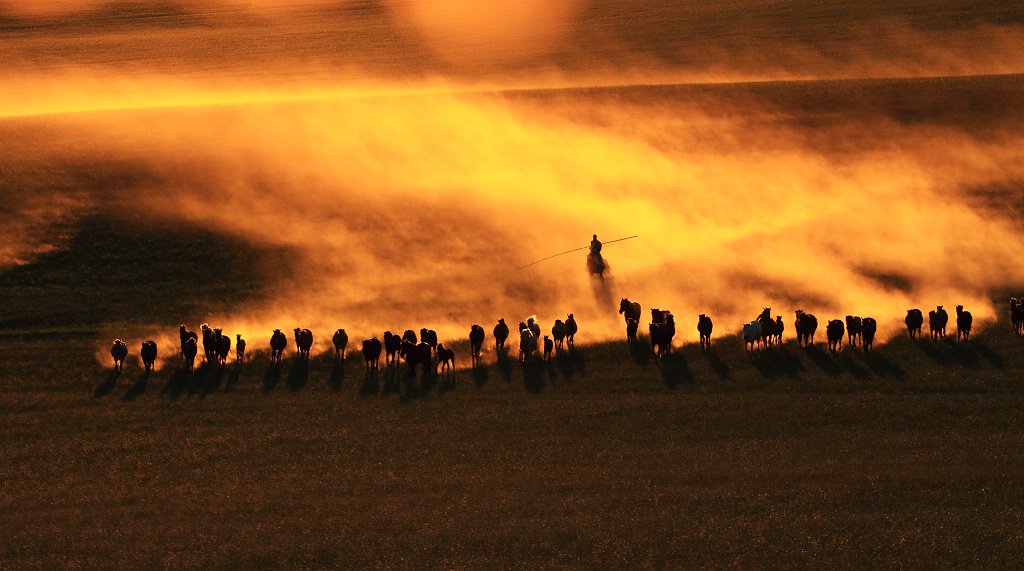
(595, 264)
(629, 310)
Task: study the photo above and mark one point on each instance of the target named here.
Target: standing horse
(704, 327)
(629, 310)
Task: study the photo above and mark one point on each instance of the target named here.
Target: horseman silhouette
(595, 262)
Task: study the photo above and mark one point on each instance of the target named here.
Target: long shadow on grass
(934, 350)
(533, 375)
(965, 354)
(882, 366)
(504, 365)
(337, 377)
(107, 385)
(776, 362)
(177, 383)
(371, 382)
(447, 383)
(720, 367)
(987, 353)
(640, 351)
(570, 361)
(392, 378)
(233, 378)
(272, 377)
(416, 386)
(824, 360)
(138, 388)
(854, 368)
(480, 374)
(298, 374)
(207, 379)
(675, 370)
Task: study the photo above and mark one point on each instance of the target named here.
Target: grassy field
(605, 457)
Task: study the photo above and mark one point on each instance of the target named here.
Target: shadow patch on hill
(117, 280)
(298, 374)
(720, 367)
(177, 383)
(640, 351)
(881, 366)
(371, 382)
(824, 360)
(987, 353)
(504, 365)
(480, 374)
(207, 378)
(571, 361)
(416, 383)
(533, 375)
(138, 388)
(234, 377)
(108, 384)
(447, 383)
(777, 362)
(936, 350)
(852, 366)
(675, 370)
(272, 377)
(965, 355)
(337, 377)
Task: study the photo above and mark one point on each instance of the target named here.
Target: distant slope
(126, 270)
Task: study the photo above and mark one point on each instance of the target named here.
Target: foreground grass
(606, 457)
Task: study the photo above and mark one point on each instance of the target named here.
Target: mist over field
(412, 155)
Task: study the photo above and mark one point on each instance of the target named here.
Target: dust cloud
(411, 202)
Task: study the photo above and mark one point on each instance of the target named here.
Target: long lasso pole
(574, 250)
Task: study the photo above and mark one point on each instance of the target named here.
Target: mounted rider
(595, 263)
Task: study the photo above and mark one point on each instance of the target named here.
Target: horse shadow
(108, 384)
(778, 361)
(504, 365)
(427, 380)
(965, 355)
(138, 388)
(337, 377)
(480, 374)
(881, 366)
(447, 383)
(371, 383)
(206, 379)
(533, 376)
(571, 360)
(298, 375)
(392, 379)
(931, 349)
(824, 360)
(675, 370)
(272, 377)
(987, 353)
(233, 378)
(640, 352)
(854, 368)
(177, 383)
(720, 367)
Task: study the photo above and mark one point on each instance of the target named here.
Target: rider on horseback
(595, 263)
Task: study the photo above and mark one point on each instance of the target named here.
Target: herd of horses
(430, 355)
(766, 332)
(424, 352)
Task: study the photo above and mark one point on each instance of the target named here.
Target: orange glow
(488, 31)
(412, 198)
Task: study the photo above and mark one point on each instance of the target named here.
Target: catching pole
(575, 250)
